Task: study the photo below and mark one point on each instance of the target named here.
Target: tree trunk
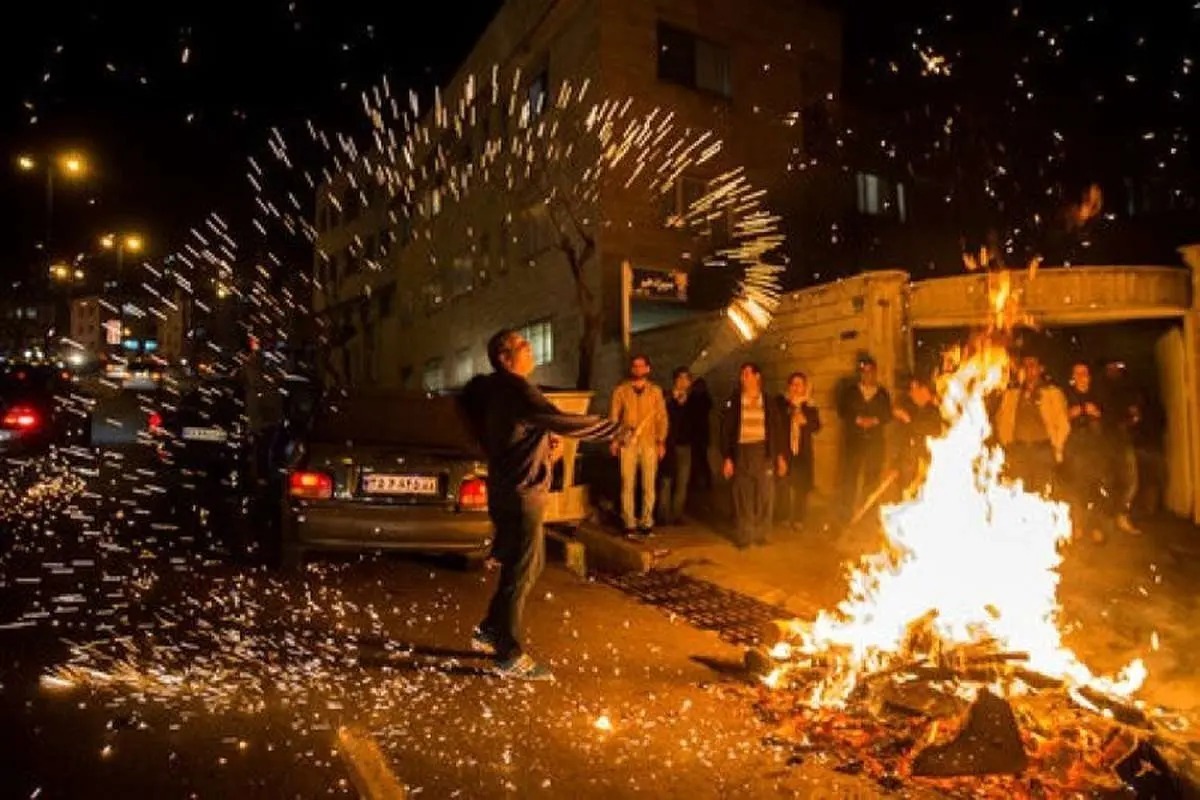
(589, 343)
(589, 337)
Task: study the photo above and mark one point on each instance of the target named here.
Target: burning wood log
(989, 744)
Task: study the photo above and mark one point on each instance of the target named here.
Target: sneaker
(523, 667)
(483, 642)
(645, 532)
(1125, 525)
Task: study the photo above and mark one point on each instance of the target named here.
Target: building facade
(414, 308)
(89, 334)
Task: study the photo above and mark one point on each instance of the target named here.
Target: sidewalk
(1117, 597)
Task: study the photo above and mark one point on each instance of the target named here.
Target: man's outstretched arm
(542, 413)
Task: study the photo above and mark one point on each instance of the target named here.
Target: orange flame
(971, 559)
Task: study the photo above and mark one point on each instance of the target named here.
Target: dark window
(538, 94)
(688, 60)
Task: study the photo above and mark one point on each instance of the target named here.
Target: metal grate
(735, 617)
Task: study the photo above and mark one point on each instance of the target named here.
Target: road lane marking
(368, 767)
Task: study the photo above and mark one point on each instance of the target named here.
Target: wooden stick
(874, 498)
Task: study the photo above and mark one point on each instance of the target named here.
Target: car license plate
(204, 435)
(400, 484)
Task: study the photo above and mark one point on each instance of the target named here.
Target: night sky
(167, 99)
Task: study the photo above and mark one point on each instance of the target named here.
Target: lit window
(432, 379)
(880, 197)
(540, 336)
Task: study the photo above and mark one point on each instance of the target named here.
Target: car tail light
(154, 421)
(20, 418)
(472, 494)
(310, 485)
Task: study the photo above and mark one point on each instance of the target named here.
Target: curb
(368, 767)
(562, 546)
(601, 551)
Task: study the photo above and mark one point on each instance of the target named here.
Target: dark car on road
(203, 435)
(36, 409)
(386, 471)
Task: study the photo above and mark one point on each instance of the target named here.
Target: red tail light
(310, 485)
(472, 494)
(20, 418)
(154, 421)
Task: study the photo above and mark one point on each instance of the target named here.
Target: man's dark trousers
(753, 493)
(862, 471)
(521, 550)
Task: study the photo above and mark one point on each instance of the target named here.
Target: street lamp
(71, 164)
(122, 244)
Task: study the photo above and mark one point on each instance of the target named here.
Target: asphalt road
(136, 658)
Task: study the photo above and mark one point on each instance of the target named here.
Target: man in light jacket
(639, 404)
(1032, 425)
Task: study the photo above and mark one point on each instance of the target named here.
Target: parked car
(36, 409)
(203, 435)
(127, 416)
(386, 471)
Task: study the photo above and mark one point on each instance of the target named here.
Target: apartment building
(88, 331)
(413, 305)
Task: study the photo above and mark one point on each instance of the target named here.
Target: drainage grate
(736, 618)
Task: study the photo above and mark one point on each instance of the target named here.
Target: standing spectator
(801, 420)
(864, 408)
(1146, 430)
(638, 404)
(1032, 426)
(1085, 458)
(514, 423)
(701, 405)
(681, 439)
(752, 450)
(919, 420)
(1121, 420)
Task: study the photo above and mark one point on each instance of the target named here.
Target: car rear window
(403, 419)
(18, 381)
(219, 399)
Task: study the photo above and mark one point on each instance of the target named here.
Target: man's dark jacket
(731, 427)
(513, 419)
(853, 405)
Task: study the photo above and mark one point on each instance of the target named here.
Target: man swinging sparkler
(515, 423)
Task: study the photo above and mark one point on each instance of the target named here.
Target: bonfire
(956, 620)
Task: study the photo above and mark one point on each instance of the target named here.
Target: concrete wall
(820, 331)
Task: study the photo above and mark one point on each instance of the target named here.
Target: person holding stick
(516, 425)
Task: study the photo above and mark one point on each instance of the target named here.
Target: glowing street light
(71, 165)
(123, 243)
